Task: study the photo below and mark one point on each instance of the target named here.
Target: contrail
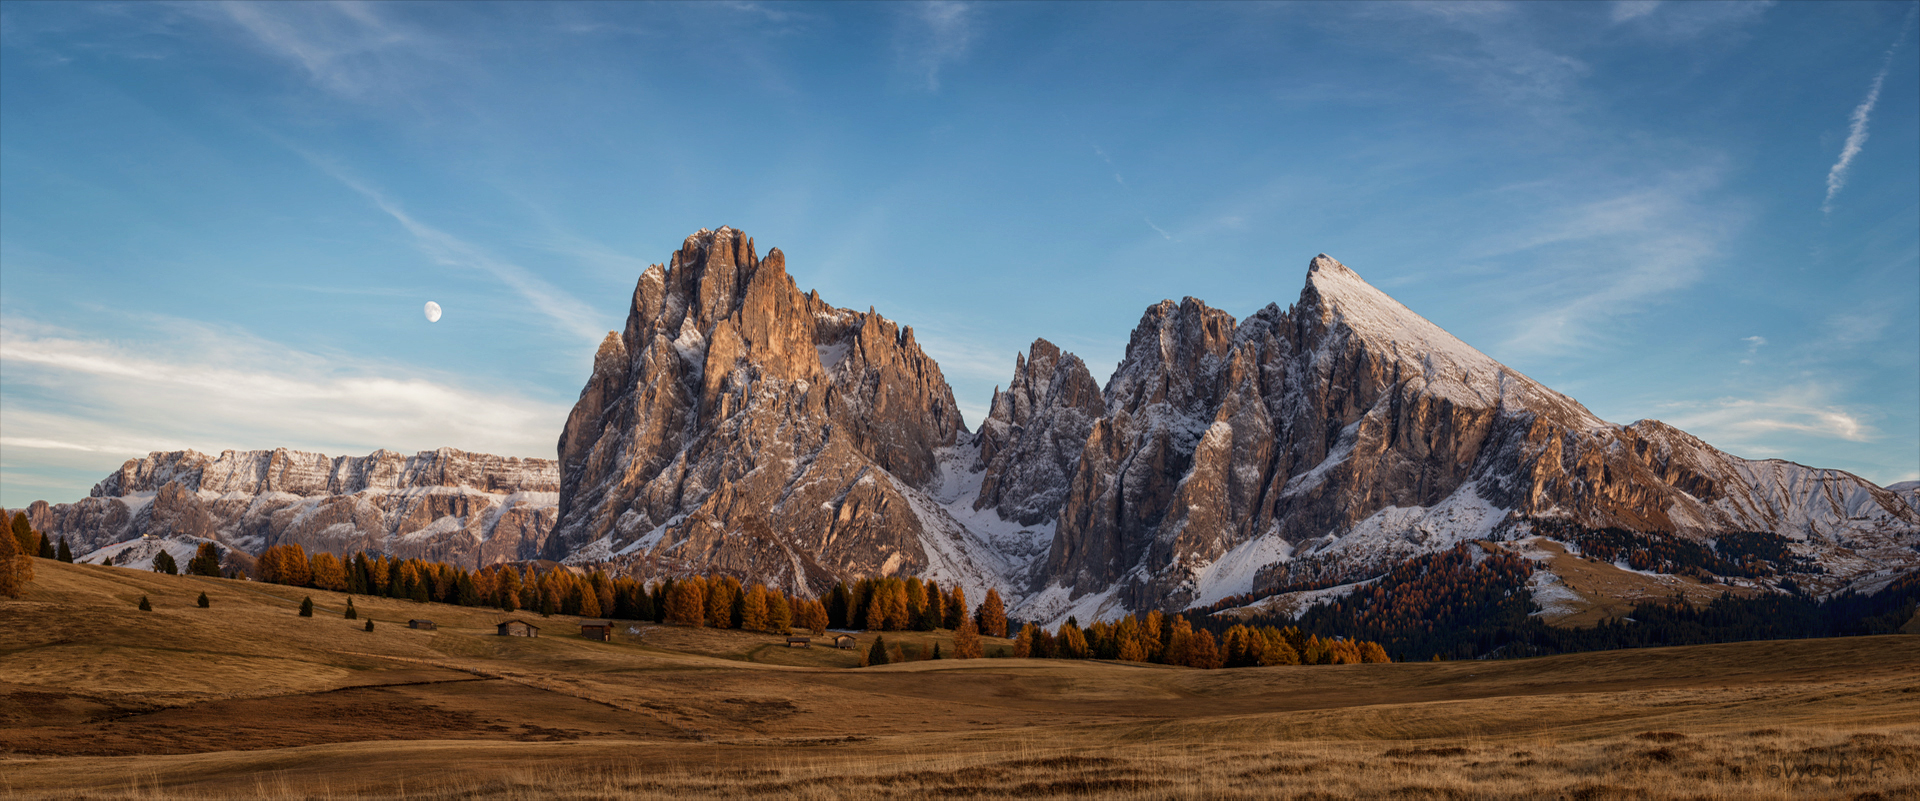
(1857, 131)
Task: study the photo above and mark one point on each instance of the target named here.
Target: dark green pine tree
(547, 606)
(469, 594)
(306, 607)
(418, 592)
(395, 585)
(163, 563)
(204, 603)
(936, 650)
(877, 655)
(837, 603)
(145, 605)
(369, 625)
(660, 596)
(205, 561)
(642, 604)
(359, 581)
(46, 548)
(65, 553)
(352, 612)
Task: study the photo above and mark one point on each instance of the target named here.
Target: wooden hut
(423, 625)
(799, 642)
(518, 628)
(601, 630)
(843, 641)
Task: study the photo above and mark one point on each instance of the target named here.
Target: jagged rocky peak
(1172, 357)
(1034, 433)
(1332, 439)
(449, 505)
(1338, 304)
(761, 429)
(307, 473)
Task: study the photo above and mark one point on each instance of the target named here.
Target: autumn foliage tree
(205, 561)
(956, 608)
(992, 615)
(753, 609)
(325, 572)
(687, 603)
(966, 640)
(16, 568)
(26, 540)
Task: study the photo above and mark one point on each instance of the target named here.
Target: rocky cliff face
(738, 425)
(1329, 440)
(1033, 434)
(451, 506)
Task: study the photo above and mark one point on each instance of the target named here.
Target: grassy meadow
(248, 700)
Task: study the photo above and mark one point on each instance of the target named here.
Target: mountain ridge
(738, 425)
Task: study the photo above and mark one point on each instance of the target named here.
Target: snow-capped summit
(1326, 442)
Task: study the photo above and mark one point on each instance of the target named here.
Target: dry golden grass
(1607, 592)
(246, 700)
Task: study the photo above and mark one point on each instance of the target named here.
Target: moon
(433, 312)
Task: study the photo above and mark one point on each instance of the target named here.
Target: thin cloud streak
(340, 45)
(1806, 409)
(938, 33)
(191, 386)
(1592, 262)
(1857, 123)
(568, 313)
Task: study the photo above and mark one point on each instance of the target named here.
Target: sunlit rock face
(1330, 440)
(739, 425)
(462, 508)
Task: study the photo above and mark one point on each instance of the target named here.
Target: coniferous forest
(1465, 604)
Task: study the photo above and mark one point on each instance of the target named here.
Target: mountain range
(738, 425)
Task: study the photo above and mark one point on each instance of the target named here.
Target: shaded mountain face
(450, 506)
(1326, 442)
(1033, 434)
(737, 425)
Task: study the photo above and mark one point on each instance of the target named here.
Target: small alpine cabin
(518, 628)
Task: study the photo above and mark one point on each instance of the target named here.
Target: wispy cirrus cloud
(1857, 122)
(1749, 423)
(1676, 22)
(346, 47)
(933, 35)
(1491, 46)
(566, 312)
(1592, 260)
(80, 401)
(1128, 189)
(1625, 10)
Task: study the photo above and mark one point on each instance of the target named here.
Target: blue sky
(219, 221)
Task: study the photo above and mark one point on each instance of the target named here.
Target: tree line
(1471, 602)
(1154, 637)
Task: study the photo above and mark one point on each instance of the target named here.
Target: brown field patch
(246, 700)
